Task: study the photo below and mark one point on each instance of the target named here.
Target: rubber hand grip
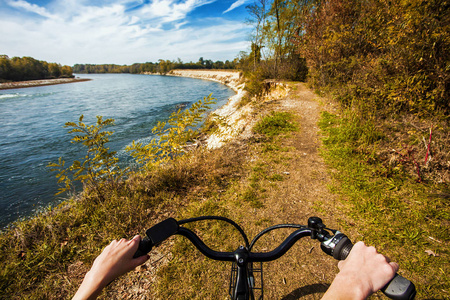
(156, 235)
(145, 245)
(399, 288)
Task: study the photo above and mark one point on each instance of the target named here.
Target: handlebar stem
(242, 285)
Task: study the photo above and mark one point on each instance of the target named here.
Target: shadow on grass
(306, 290)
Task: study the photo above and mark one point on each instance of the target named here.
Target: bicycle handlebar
(338, 246)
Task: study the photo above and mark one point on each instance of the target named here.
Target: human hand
(115, 260)
(362, 273)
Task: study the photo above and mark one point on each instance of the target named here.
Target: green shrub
(99, 170)
(172, 135)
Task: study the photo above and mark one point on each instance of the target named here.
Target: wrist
(347, 286)
(90, 288)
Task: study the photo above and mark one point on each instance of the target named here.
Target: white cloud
(74, 31)
(30, 8)
(235, 5)
(167, 11)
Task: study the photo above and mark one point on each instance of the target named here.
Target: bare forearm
(89, 289)
(344, 287)
(115, 260)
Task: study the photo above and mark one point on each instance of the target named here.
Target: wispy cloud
(236, 5)
(20, 4)
(121, 31)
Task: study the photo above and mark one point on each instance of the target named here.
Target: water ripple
(32, 133)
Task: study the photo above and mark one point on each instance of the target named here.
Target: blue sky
(123, 31)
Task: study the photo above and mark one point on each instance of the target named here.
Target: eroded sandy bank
(236, 117)
(233, 117)
(231, 78)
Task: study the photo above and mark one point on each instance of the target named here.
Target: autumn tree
(28, 68)
(276, 24)
(391, 53)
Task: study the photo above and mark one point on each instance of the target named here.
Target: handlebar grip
(399, 288)
(157, 234)
(145, 245)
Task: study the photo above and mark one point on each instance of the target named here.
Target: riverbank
(257, 182)
(231, 78)
(230, 118)
(41, 82)
(235, 118)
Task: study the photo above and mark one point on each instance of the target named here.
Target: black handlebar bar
(337, 245)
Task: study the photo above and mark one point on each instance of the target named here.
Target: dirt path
(305, 271)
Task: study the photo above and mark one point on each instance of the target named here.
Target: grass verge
(46, 257)
(407, 220)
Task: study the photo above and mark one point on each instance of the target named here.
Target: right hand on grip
(145, 246)
(399, 288)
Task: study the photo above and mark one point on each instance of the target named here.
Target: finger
(136, 238)
(340, 264)
(134, 242)
(132, 245)
(394, 266)
(140, 260)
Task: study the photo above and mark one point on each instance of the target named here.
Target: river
(32, 133)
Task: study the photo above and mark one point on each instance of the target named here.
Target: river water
(32, 133)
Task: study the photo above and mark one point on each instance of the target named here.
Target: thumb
(341, 264)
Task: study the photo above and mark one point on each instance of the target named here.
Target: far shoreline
(40, 82)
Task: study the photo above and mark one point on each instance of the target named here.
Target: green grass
(208, 279)
(275, 124)
(390, 210)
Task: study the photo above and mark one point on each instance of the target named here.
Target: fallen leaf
(141, 268)
(431, 253)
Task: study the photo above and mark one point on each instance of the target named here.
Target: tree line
(161, 67)
(28, 68)
(391, 53)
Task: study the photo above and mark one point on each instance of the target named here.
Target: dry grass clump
(419, 147)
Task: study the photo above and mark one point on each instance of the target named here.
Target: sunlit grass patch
(275, 124)
(403, 218)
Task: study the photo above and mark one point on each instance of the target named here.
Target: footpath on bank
(291, 185)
